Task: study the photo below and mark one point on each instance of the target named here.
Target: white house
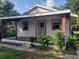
(42, 20)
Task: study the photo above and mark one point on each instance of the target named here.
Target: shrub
(46, 41)
(32, 39)
(58, 39)
(71, 43)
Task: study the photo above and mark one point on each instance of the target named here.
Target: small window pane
(25, 25)
(56, 24)
(41, 24)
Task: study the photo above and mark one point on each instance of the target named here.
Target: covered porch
(41, 24)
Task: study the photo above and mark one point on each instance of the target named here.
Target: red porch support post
(16, 30)
(63, 24)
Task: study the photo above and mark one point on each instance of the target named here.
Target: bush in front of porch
(45, 42)
(58, 39)
(32, 40)
(71, 42)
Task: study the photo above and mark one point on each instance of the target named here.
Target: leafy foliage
(78, 22)
(46, 41)
(73, 5)
(32, 39)
(78, 19)
(7, 9)
(58, 39)
(71, 43)
(1, 8)
(75, 26)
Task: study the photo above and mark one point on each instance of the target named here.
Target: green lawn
(6, 53)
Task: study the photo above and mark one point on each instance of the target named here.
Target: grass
(6, 53)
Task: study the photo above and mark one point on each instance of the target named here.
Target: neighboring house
(42, 20)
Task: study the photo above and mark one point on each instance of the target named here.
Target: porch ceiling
(59, 13)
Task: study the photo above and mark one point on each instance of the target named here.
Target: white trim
(36, 15)
(30, 9)
(74, 15)
(45, 7)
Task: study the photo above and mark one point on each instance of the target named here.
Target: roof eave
(36, 15)
(74, 15)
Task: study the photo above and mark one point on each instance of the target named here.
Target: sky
(22, 5)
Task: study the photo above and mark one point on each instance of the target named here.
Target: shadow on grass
(6, 53)
(42, 56)
(51, 55)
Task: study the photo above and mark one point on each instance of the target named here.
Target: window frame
(52, 23)
(26, 25)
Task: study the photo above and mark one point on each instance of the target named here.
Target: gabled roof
(40, 6)
(48, 8)
(37, 15)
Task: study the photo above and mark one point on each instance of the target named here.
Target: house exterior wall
(30, 32)
(32, 28)
(49, 27)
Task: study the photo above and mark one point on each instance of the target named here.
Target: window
(56, 25)
(25, 25)
(41, 24)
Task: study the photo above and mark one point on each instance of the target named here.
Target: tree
(1, 8)
(8, 10)
(73, 5)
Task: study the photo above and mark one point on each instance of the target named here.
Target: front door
(41, 27)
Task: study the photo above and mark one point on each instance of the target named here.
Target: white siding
(48, 27)
(30, 32)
